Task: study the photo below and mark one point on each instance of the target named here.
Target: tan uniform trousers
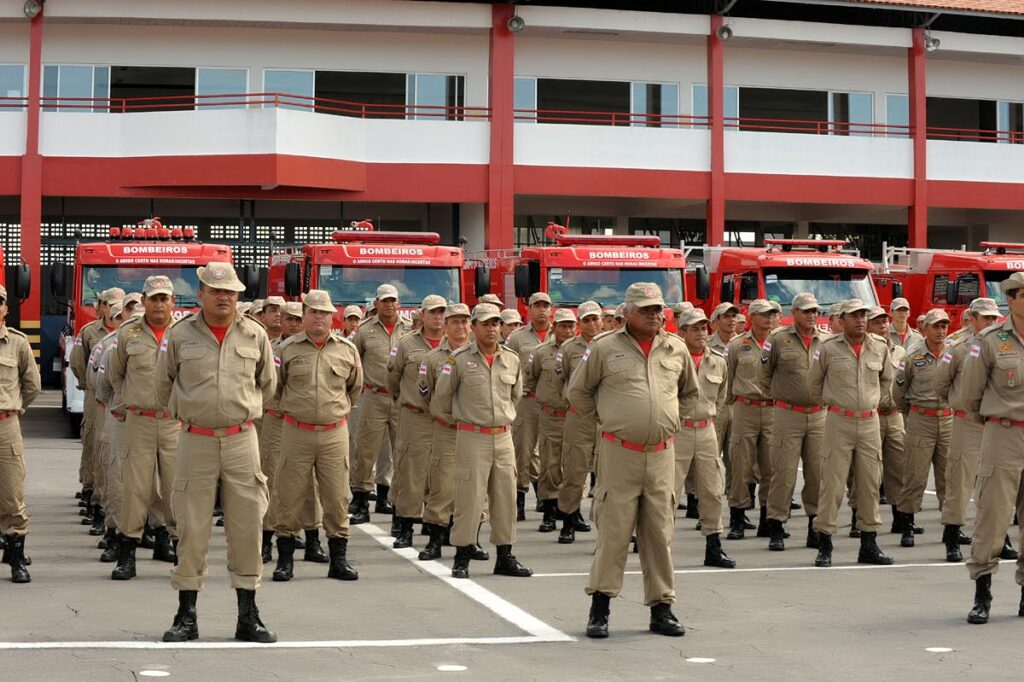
(114, 496)
(635, 490)
(579, 441)
(322, 455)
(378, 420)
(412, 459)
(996, 498)
(723, 430)
(13, 514)
(961, 469)
(149, 467)
(927, 447)
(525, 434)
(270, 455)
(485, 471)
(893, 432)
(697, 454)
(85, 467)
(101, 455)
(748, 448)
(797, 437)
(850, 442)
(440, 499)
(202, 463)
(550, 428)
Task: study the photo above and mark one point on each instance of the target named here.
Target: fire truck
(586, 267)
(15, 278)
(361, 258)
(125, 260)
(784, 268)
(950, 280)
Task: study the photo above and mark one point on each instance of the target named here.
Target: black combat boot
(777, 543)
(593, 484)
(961, 538)
(15, 550)
(752, 488)
(824, 558)
(952, 542)
(383, 506)
(550, 510)
(299, 542)
(340, 568)
(112, 549)
(249, 627)
(460, 567)
(1020, 606)
(897, 521)
(507, 564)
(148, 540)
(536, 496)
(186, 625)
(736, 531)
(1008, 552)
(714, 556)
(395, 526)
(567, 535)
(433, 549)
(163, 550)
(982, 600)
(285, 559)
(404, 538)
(580, 524)
(268, 543)
(476, 550)
(520, 505)
(869, 551)
(99, 525)
(597, 622)
(446, 534)
(125, 569)
(854, 530)
(314, 550)
(763, 529)
(89, 517)
(692, 509)
(812, 535)
(664, 622)
(360, 499)
(907, 529)
(795, 506)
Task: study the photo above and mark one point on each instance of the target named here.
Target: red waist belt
(931, 413)
(1004, 422)
(888, 412)
(216, 433)
(961, 414)
(851, 413)
(441, 422)
(8, 415)
(273, 413)
(702, 424)
(530, 395)
(754, 403)
(638, 447)
(553, 411)
(413, 408)
(162, 414)
(799, 408)
(486, 430)
(375, 389)
(314, 427)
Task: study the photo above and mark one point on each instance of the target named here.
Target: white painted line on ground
(326, 644)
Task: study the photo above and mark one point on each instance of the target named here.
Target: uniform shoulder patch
(715, 351)
(17, 332)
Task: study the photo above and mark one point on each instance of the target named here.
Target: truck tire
(75, 422)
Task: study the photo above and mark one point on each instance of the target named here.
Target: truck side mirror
(527, 279)
(22, 281)
(748, 288)
(292, 279)
(59, 279)
(951, 291)
(897, 289)
(703, 282)
(481, 280)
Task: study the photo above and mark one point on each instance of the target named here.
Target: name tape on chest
(163, 346)
(586, 354)
(975, 350)
(947, 357)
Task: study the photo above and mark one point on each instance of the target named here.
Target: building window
(222, 82)
(699, 109)
(12, 86)
(897, 115)
(583, 101)
(952, 118)
(71, 87)
(525, 99)
(152, 88)
(655, 105)
(435, 97)
(851, 113)
(361, 94)
(1011, 122)
(298, 84)
(781, 110)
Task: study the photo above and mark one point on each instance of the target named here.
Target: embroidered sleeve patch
(767, 346)
(902, 365)
(947, 357)
(163, 346)
(423, 369)
(447, 369)
(817, 353)
(975, 350)
(277, 361)
(394, 351)
(586, 354)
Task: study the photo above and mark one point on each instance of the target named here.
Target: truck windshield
(828, 286)
(358, 286)
(993, 280)
(572, 286)
(96, 278)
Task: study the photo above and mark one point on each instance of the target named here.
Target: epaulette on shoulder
(290, 341)
(17, 332)
(714, 351)
(988, 330)
(878, 337)
(465, 348)
(778, 330)
(347, 342)
(249, 318)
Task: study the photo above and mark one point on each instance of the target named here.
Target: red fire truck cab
(15, 278)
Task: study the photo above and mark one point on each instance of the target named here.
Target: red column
(715, 233)
(499, 233)
(917, 217)
(32, 186)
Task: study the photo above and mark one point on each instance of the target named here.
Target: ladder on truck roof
(1000, 248)
(906, 259)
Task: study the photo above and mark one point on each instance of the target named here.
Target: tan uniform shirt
(637, 398)
(213, 385)
(785, 363)
(545, 370)
(318, 385)
(105, 391)
(524, 341)
(948, 375)
(473, 393)
(404, 371)
(89, 336)
(913, 336)
(376, 347)
(993, 373)
(715, 341)
(897, 355)
(19, 375)
(572, 357)
(914, 383)
(711, 376)
(839, 378)
(428, 373)
(133, 365)
(743, 357)
(274, 402)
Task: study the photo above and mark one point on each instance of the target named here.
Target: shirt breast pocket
(746, 366)
(474, 379)
(338, 375)
(8, 368)
(195, 362)
(247, 358)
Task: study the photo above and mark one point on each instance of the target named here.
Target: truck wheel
(75, 421)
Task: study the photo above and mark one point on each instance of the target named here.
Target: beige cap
(385, 291)
(511, 316)
(695, 316)
(134, 297)
(804, 301)
(608, 311)
(986, 307)
(456, 309)
(835, 309)
(274, 300)
(540, 296)
(492, 298)
(936, 315)
(111, 295)
(644, 294)
(759, 306)
(620, 311)
(292, 308)
(116, 309)
(564, 315)
(486, 311)
(920, 319)
(899, 304)
(257, 306)
(682, 308)
(158, 284)
(220, 276)
(1014, 281)
(776, 306)
(243, 307)
(722, 309)
(317, 299)
(588, 308)
(433, 302)
(853, 305)
(876, 312)
(353, 311)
